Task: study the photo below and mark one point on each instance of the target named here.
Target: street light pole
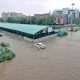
(29, 19)
(71, 16)
(72, 6)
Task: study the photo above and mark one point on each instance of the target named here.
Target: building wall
(65, 10)
(59, 19)
(76, 13)
(42, 15)
(65, 18)
(5, 15)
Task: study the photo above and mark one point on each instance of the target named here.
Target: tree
(0, 19)
(4, 47)
(76, 21)
(51, 20)
(21, 20)
(33, 20)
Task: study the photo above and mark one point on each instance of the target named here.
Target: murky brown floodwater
(59, 61)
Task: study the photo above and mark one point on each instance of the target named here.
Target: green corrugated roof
(31, 29)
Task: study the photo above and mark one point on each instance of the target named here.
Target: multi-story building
(68, 15)
(59, 19)
(65, 15)
(42, 15)
(5, 15)
(76, 13)
(58, 16)
(73, 14)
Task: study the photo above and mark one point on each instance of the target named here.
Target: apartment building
(5, 15)
(67, 15)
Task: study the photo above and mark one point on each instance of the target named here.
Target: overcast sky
(35, 6)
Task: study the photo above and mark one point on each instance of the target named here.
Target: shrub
(6, 56)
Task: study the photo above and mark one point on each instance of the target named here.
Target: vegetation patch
(5, 53)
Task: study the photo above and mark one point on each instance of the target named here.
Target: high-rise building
(68, 14)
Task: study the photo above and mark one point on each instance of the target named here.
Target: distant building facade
(42, 15)
(67, 15)
(5, 15)
(59, 19)
(58, 16)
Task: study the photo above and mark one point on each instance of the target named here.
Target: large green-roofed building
(31, 31)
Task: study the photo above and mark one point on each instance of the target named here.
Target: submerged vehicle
(40, 45)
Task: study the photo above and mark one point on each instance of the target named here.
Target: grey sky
(35, 6)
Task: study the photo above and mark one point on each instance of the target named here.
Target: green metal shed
(25, 29)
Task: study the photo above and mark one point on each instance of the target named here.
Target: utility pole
(71, 16)
(46, 20)
(30, 19)
(72, 6)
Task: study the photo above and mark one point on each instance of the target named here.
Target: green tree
(1, 20)
(76, 21)
(51, 20)
(4, 47)
(33, 20)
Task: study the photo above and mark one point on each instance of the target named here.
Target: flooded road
(59, 61)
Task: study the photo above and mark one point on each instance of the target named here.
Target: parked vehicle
(40, 45)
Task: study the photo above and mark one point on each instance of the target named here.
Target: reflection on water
(59, 61)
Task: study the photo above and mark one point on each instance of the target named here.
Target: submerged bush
(5, 53)
(6, 56)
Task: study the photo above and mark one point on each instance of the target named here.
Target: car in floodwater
(40, 45)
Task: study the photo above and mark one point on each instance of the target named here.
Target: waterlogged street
(59, 61)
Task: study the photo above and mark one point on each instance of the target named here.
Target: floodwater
(59, 61)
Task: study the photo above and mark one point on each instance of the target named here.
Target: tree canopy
(49, 20)
(76, 21)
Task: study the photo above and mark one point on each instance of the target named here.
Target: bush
(6, 56)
